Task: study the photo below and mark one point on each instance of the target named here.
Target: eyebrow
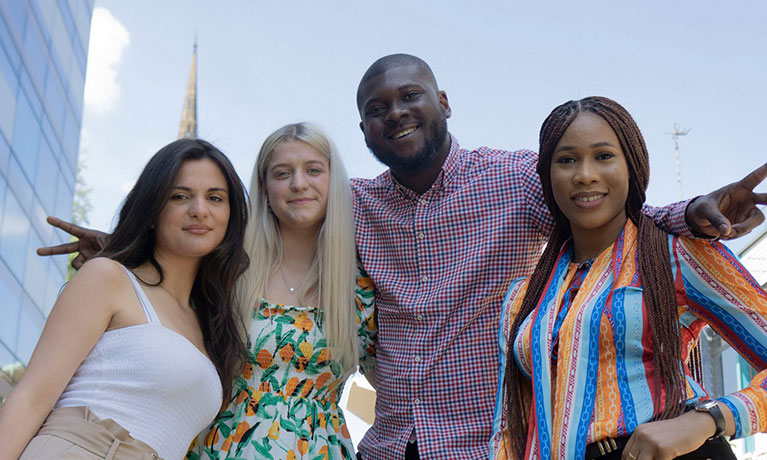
(212, 189)
(593, 146)
(310, 162)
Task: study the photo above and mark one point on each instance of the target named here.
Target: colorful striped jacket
(602, 344)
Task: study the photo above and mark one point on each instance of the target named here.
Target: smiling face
(590, 180)
(194, 219)
(404, 118)
(297, 182)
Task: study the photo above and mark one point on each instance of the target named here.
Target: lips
(197, 229)
(300, 200)
(402, 132)
(588, 199)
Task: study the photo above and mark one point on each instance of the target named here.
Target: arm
(78, 319)
(719, 291)
(89, 243)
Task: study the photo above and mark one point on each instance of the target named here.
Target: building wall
(43, 50)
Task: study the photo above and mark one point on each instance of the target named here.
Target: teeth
(589, 198)
(404, 133)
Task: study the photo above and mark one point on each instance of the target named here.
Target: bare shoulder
(101, 274)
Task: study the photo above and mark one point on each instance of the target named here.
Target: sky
(701, 65)
(697, 64)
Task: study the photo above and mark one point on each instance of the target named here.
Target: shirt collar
(446, 174)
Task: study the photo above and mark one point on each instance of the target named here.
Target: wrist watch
(713, 410)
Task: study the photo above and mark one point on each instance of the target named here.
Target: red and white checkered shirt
(440, 262)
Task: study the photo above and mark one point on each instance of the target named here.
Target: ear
(445, 106)
(362, 127)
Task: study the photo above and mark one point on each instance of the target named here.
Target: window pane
(35, 55)
(13, 236)
(10, 292)
(35, 272)
(16, 14)
(45, 181)
(26, 136)
(31, 324)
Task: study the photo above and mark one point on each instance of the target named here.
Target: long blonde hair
(333, 270)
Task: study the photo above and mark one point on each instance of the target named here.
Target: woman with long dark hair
(139, 348)
(596, 342)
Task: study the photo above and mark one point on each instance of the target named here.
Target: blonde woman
(310, 308)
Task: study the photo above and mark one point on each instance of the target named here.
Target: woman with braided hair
(601, 332)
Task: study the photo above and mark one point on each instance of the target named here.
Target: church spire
(188, 126)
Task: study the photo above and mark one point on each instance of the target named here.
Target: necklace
(291, 290)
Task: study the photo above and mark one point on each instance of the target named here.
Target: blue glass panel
(35, 272)
(26, 136)
(3, 191)
(71, 139)
(19, 184)
(55, 102)
(55, 283)
(31, 322)
(9, 46)
(67, 173)
(7, 107)
(41, 10)
(76, 89)
(45, 181)
(33, 97)
(10, 292)
(5, 154)
(35, 55)
(8, 70)
(15, 13)
(37, 218)
(53, 140)
(13, 236)
(63, 200)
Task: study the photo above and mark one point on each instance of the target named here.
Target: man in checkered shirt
(441, 233)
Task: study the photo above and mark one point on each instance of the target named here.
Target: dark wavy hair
(653, 257)
(133, 243)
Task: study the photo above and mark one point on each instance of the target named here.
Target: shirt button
(416, 401)
(420, 235)
(419, 317)
(423, 201)
(424, 278)
(418, 359)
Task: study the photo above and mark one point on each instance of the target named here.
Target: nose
(198, 207)
(586, 173)
(298, 181)
(397, 111)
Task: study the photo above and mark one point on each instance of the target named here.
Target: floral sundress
(285, 403)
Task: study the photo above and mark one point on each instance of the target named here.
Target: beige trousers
(74, 433)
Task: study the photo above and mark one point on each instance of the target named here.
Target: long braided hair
(659, 294)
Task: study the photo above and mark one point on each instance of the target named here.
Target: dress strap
(151, 315)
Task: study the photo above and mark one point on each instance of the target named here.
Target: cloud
(108, 40)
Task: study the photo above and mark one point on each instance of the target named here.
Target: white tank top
(151, 380)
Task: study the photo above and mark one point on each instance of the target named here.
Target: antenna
(675, 135)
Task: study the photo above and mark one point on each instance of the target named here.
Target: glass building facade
(43, 50)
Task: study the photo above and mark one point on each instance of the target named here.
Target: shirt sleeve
(719, 290)
(367, 330)
(671, 218)
(525, 163)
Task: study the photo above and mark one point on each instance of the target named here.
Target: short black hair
(389, 62)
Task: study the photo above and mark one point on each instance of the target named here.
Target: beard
(421, 160)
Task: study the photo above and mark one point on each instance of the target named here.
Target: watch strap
(712, 407)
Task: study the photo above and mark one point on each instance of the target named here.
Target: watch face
(705, 405)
